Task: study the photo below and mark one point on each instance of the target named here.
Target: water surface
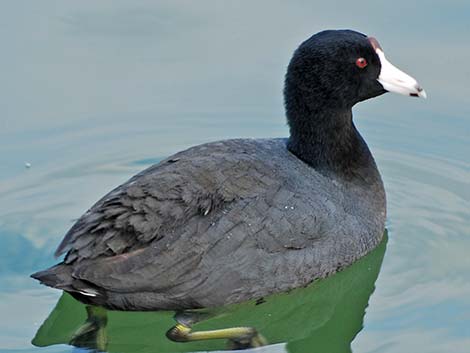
(94, 92)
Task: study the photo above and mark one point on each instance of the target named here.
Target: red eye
(361, 63)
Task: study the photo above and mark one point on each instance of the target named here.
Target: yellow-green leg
(92, 334)
(239, 337)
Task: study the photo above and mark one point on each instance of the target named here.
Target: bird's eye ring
(361, 63)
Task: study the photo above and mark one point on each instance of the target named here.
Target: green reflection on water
(323, 317)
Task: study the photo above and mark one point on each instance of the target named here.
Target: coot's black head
(338, 68)
(329, 73)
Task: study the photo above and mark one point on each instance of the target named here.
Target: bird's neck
(328, 141)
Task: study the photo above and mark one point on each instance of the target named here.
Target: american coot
(239, 219)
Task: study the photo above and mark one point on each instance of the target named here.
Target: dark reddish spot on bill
(375, 44)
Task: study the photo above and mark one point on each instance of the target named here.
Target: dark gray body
(219, 223)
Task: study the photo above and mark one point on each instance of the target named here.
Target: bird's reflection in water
(323, 317)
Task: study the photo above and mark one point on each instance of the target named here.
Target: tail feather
(60, 277)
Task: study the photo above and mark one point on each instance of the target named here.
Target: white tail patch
(88, 293)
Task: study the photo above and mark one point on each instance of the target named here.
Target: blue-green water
(94, 91)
